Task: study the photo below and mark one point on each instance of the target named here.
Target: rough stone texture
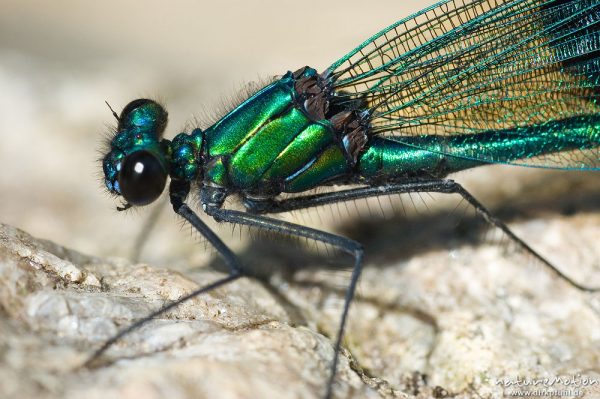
(438, 306)
(58, 304)
(437, 323)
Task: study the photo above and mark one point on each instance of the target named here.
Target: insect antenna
(113, 111)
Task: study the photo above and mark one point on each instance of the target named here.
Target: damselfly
(458, 85)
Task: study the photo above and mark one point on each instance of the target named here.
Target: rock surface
(431, 325)
(57, 305)
(440, 311)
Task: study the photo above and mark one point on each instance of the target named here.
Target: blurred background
(60, 61)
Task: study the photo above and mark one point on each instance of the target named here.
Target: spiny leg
(451, 186)
(178, 192)
(90, 362)
(345, 244)
(445, 186)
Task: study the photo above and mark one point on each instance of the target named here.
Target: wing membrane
(469, 67)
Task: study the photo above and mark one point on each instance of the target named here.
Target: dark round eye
(142, 178)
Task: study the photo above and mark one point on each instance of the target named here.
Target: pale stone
(454, 323)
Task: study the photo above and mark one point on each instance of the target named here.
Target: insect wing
(499, 67)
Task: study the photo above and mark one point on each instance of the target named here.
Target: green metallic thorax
(270, 144)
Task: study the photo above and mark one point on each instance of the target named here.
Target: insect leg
(450, 186)
(446, 186)
(345, 244)
(178, 192)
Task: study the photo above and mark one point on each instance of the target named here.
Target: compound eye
(142, 178)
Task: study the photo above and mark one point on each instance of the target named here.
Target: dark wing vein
(468, 67)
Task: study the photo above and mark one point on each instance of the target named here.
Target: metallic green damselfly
(458, 85)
